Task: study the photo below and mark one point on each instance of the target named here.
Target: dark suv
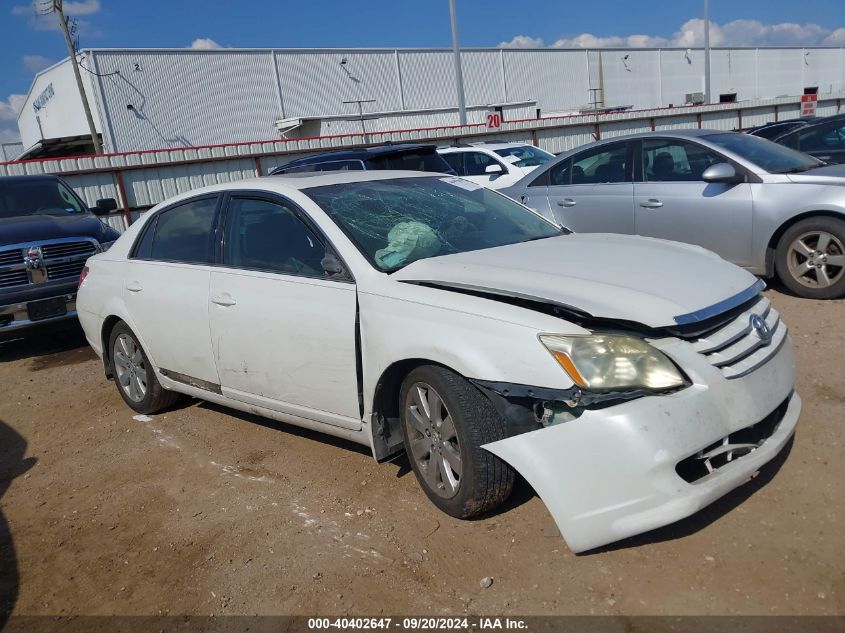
(823, 138)
(46, 235)
(405, 157)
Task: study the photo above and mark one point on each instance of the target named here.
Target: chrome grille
(14, 256)
(67, 249)
(9, 278)
(736, 349)
(65, 270)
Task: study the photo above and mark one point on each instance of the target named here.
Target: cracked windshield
(396, 222)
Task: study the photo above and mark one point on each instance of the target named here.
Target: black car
(824, 138)
(46, 235)
(405, 157)
(774, 129)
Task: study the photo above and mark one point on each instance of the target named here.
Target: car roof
(34, 177)
(285, 183)
(362, 153)
(481, 146)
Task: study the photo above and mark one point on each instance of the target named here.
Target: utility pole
(707, 51)
(57, 8)
(459, 75)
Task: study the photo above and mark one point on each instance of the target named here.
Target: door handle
(651, 203)
(134, 286)
(566, 202)
(224, 299)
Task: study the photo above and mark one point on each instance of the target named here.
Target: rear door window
(604, 164)
(184, 233)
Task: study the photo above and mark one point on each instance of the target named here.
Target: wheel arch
(109, 324)
(771, 246)
(387, 434)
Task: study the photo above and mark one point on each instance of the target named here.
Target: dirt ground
(208, 511)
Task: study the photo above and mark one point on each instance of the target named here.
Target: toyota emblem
(761, 328)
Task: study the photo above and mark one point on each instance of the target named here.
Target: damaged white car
(631, 381)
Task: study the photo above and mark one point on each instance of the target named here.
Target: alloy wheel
(130, 367)
(434, 443)
(816, 259)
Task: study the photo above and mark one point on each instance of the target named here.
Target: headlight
(104, 246)
(610, 362)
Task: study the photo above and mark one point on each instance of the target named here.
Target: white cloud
(9, 110)
(41, 21)
(523, 41)
(205, 43)
(837, 38)
(35, 63)
(36, 7)
(691, 34)
(83, 7)
(11, 107)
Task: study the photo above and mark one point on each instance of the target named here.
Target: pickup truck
(47, 233)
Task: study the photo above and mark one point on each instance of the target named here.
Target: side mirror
(331, 265)
(722, 172)
(104, 206)
(494, 170)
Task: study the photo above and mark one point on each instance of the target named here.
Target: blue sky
(32, 43)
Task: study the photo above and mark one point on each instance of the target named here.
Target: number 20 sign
(494, 120)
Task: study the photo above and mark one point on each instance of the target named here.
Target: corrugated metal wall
(314, 84)
(631, 78)
(193, 97)
(186, 98)
(556, 79)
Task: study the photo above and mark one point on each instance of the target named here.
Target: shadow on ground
(12, 464)
(43, 343)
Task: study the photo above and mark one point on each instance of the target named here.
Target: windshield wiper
(796, 170)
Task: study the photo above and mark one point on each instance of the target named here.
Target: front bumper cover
(611, 472)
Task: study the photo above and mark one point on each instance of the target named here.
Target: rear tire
(445, 421)
(810, 258)
(134, 376)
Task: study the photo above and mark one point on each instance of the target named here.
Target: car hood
(827, 175)
(35, 228)
(653, 282)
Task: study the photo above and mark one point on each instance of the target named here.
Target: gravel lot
(207, 511)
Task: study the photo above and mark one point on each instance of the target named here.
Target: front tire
(445, 421)
(134, 375)
(810, 258)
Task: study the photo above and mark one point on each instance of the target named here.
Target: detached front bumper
(611, 473)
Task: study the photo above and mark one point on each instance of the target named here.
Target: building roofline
(352, 49)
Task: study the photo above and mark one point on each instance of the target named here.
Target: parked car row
(822, 137)
(763, 206)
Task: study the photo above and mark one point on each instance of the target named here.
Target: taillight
(83, 274)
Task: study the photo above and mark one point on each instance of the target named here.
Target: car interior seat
(663, 167)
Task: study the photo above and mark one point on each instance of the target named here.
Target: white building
(147, 99)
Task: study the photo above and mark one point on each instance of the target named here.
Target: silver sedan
(765, 207)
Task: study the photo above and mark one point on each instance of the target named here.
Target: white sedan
(631, 381)
(493, 164)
